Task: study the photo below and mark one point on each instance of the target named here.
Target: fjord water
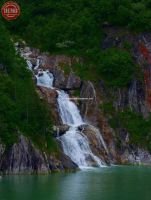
(112, 183)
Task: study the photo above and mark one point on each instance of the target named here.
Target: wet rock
(67, 163)
(60, 130)
(96, 142)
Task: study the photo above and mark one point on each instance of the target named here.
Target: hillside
(94, 49)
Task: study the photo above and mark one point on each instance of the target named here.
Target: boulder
(60, 130)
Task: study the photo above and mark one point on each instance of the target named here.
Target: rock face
(133, 97)
(60, 130)
(24, 157)
(73, 82)
(96, 142)
(89, 106)
(130, 153)
(112, 148)
(50, 97)
(56, 65)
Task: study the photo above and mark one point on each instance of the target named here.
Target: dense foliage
(75, 27)
(21, 111)
(117, 67)
(135, 124)
(70, 27)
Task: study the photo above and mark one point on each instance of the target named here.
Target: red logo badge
(10, 10)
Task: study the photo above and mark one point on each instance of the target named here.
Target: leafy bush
(138, 127)
(21, 110)
(116, 67)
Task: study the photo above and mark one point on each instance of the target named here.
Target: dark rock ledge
(24, 158)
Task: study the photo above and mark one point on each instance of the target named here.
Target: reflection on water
(115, 183)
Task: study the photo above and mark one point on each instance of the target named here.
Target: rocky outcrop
(129, 153)
(73, 82)
(106, 143)
(56, 65)
(24, 157)
(96, 142)
(138, 94)
(89, 104)
(50, 97)
(60, 130)
(132, 97)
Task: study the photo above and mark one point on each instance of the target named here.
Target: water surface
(115, 183)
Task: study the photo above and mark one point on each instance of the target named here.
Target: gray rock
(73, 82)
(60, 130)
(89, 106)
(133, 97)
(60, 80)
(23, 157)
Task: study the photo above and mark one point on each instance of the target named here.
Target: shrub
(116, 67)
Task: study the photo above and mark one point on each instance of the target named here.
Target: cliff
(115, 114)
(24, 157)
(106, 103)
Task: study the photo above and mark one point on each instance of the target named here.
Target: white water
(75, 144)
(44, 79)
(68, 110)
(29, 64)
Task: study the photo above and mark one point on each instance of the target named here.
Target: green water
(115, 183)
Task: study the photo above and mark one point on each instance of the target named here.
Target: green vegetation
(72, 27)
(117, 67)
(21, 110)
(138, 127)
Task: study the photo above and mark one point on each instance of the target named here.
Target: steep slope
(121, 114)
(26, 138)
(97, 51)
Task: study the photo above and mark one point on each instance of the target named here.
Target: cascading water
(75, 144)
(44, 79)
(68, 110)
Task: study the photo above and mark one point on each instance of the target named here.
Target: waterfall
(68, 110)
(44, 79)
(75, 143)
